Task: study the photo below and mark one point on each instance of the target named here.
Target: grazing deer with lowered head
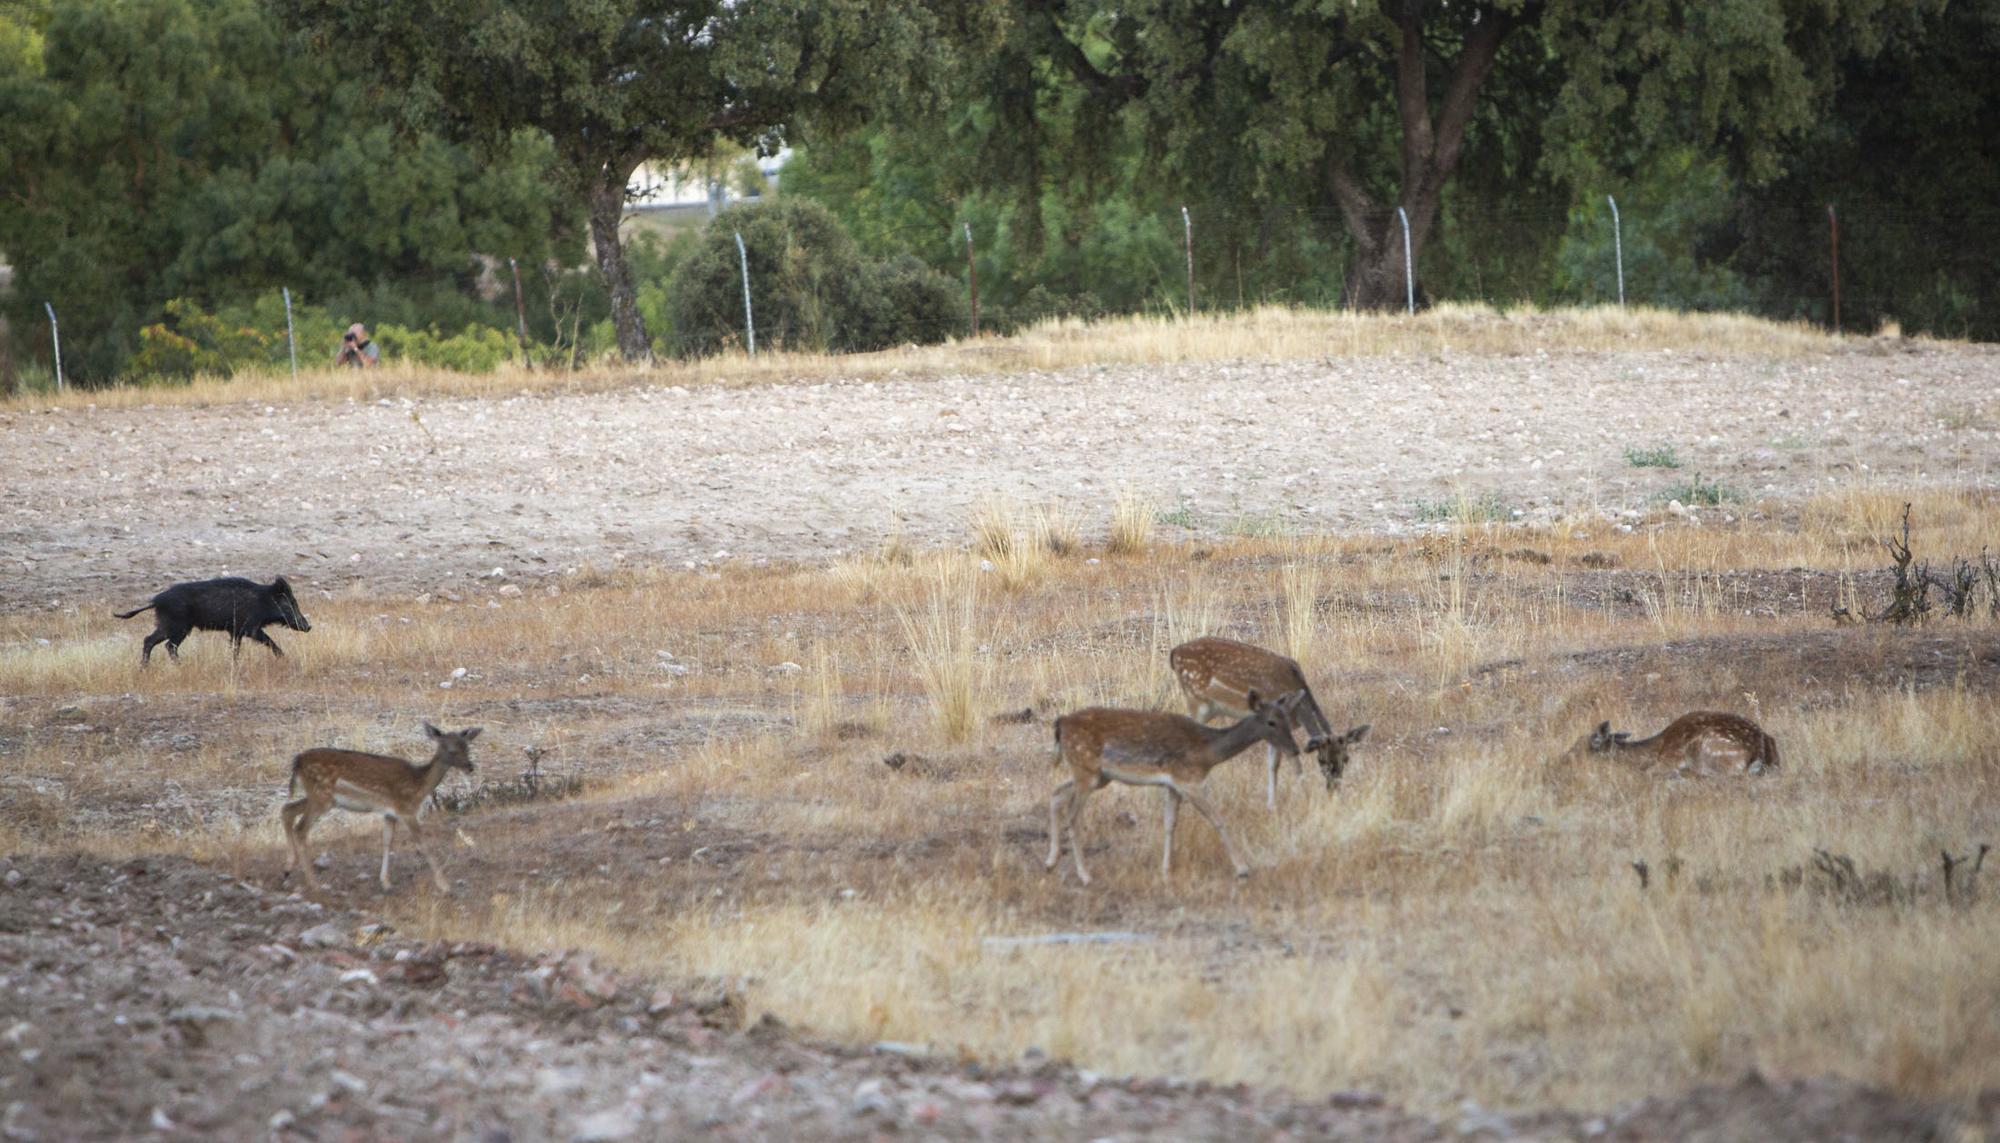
(371, 784)
(1102, 745)
(1219, 675)
(1697, 743)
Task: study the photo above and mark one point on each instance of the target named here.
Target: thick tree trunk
(607, 210)
(1376, 279)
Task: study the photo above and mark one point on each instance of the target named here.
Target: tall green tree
(1354, 110)
(154, 149)
(1909, 156)
(615, 83)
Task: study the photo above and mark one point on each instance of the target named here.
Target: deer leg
(288, 820)
(304, 813)
(1057, 803)
(1205, 810)
(1075, 840)
(388, 834)
(1173, 812)
(417, 838)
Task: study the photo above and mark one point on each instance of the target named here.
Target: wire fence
(1840, 265)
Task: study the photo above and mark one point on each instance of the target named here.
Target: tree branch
(1067, 55)
(1413, 97)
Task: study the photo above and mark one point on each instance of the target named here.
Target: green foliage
(810, 289)
(475, 349)
(1676, 211)
(161, 149)
(902, 301)
(199, 343)
(1906, 155)
(619, 82)
(1697, 490)
(1487, 507)
(1658, 456)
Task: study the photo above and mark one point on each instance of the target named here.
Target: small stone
(359, 976)
(509, 591)
(605, 1126)
(326, 936)
(870, 1098)
(1019, 1092)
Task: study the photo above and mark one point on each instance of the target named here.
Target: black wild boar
(233, 604)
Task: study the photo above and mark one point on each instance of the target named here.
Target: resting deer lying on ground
(1102, 745)
(371, 784)
(1218, 675)
(1700, 742)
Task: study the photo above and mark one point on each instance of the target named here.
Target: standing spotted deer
(1102, 745)
(1697, 743)
(1219, 675)
(371, 784)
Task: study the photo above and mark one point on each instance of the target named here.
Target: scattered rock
(326, 936)
(607, 1126)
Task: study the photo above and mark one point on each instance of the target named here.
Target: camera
(349, 339)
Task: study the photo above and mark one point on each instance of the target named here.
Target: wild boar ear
(281, 585)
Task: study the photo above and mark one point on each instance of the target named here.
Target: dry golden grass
(1266, 333)
(1461, 920)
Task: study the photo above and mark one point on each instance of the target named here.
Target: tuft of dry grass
(1132, 518)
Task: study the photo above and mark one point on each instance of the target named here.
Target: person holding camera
(356, 351)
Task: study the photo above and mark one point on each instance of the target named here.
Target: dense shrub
(474, 349)
(903, 301)
(191, 342)
(810, 290)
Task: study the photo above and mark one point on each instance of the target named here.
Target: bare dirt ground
(403, 496)
(159, 996)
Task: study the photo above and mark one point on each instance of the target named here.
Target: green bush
(475, 349)
(810, 289)
(902, 301)
(191, 342)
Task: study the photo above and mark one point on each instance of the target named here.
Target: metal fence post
(520, 307)
(1409, 274)
(1618, 248)
(749, 322)
(1833, 226)
(1187, 230)
(55, 342)
(291, 337)
(972, 278)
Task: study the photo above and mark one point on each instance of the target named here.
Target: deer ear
(1253, 700)
(433, 731)
(1358, 733)
(469, 735)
